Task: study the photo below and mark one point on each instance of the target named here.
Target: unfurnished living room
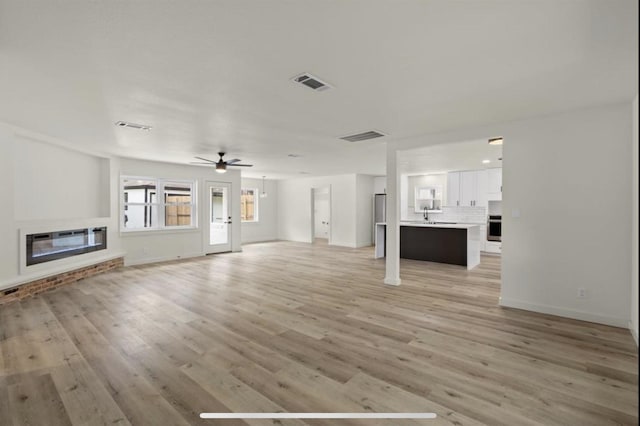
(354, 212)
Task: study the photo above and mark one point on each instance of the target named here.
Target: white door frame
(216, 248)
(313, 209)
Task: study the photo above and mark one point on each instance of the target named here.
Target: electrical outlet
(582, 293)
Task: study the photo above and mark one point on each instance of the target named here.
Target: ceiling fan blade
(239, 165)
(235, 160)
(206, 159)
(200, 162)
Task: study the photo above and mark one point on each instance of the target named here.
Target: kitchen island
(457, 244)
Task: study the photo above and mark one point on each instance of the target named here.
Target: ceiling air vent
(363, 136)
(311, 82)
(132, 125)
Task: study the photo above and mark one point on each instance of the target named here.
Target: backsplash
(455, 214)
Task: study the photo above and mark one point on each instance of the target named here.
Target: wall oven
(494, 228)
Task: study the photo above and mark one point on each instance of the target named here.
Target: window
(249, 205)
(152, 203)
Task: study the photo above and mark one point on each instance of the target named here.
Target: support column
(392, 275)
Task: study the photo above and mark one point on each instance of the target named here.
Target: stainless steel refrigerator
(379, 209)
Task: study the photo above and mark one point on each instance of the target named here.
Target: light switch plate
(515, 212)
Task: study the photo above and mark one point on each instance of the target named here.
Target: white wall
(47, 187)
(154, 246)
(57, 183)
(404, 199)
(634, 226)
(364, 210)
(294, 209)
(9, 266)
(569, 177)
(266, 229)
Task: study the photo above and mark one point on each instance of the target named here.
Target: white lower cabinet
(493, 246)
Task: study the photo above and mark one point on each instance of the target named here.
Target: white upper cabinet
(467, 188)
(453, 189)
(481, 199)
(494, 184)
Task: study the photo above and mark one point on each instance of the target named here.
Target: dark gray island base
(456, 244)
(444, 245)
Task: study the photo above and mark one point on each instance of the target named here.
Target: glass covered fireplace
(60, 244)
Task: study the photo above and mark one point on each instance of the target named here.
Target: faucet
(426, 215)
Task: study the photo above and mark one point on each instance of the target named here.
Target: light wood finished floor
(305, 328)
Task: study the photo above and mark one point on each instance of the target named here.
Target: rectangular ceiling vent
(311, 82)
(132, 125)
(363, 136)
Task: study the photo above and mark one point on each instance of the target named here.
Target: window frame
(256, 207)
(159, 203)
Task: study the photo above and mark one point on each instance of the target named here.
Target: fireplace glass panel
(50, 246)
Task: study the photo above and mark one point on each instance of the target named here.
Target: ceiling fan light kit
(221, 165)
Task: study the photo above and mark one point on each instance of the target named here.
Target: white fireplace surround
(42, 270)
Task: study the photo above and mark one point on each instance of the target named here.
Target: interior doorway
(321, 215)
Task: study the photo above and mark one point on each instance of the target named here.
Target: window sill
(250, 221)
(142, 232)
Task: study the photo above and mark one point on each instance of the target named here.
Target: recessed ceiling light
(495, 141)
(486, 161)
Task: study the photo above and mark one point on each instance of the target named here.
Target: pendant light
(263, 194)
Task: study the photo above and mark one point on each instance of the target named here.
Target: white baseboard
(633, 333)
(159, 259)
(563, 312)
(270, 240)
(392, 281)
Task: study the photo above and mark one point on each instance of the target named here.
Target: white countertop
(436, 225)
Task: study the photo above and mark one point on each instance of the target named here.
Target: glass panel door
(219, 217)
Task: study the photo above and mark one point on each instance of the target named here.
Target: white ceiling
(212, 76)
(449, 157)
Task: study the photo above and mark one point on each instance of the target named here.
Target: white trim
(161, 259)
(167, 230)
(318, 415)
(392, 281)
(563, 312)
(87, 261)
(633, 332)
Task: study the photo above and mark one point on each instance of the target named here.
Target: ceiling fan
(221, 165)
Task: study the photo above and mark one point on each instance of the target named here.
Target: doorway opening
(321, 215)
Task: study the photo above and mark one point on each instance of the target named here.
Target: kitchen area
(450, 204)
